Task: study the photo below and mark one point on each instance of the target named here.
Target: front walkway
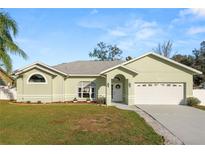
(159, 128)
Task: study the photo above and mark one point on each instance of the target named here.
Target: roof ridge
(88, 61)
(86, 66)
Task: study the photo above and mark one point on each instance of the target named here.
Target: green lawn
(72, 124)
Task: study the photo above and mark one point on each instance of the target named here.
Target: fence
(7, 93)
(200, 94)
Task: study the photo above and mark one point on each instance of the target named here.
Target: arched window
(86, 89)
(117, 78)
(37, 78)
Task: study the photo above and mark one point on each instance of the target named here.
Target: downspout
(52, 89)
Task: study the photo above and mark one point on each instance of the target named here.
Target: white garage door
(159, 93)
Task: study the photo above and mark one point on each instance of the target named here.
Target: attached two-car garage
(159, 93)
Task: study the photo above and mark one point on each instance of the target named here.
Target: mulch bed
(55, 103)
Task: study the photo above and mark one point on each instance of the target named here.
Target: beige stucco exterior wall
(34, 92)
(151, 69)
(127, 91)
(19, 88)
(58, 88)
(71, 86)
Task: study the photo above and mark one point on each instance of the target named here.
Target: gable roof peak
(159, 56)
(19, 71)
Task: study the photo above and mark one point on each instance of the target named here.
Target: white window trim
(90, 92)
(46, 82)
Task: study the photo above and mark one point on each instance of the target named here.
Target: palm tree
(8, 29)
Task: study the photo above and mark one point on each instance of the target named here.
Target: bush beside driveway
(200, 107)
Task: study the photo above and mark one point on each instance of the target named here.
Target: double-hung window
(86, 89)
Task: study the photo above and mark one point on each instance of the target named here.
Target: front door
(117, 92)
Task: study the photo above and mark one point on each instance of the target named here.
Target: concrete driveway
(187, 123)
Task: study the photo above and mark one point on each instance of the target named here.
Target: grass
(72, 124)
(199, 107)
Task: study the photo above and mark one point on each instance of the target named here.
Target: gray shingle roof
(86, 67)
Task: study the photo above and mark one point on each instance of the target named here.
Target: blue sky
(55, 36)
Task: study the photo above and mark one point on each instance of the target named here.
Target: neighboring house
(7, 90)
(148, 79)
(5, 79)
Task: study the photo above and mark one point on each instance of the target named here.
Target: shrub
(14, 101)
(88, 99)
(193, 101)
(39, 102)
(28, 102)
(101, 100)
(75, 100)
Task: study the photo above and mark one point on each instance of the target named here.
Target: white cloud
(138, 29)
(89, 23)
(131, 34)
(196, 30)
(196, 12)
(136, 33)
(187, 15)
(139, 23)
(117, 32)
(145, 33)
(94, 11)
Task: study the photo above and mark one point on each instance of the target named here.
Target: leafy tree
(106, 52)
(8, 30)
(184, 59)
(202, 48)
(197, 61)
(128, 58)
(164, 49)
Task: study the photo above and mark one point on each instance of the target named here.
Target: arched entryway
(118, 89)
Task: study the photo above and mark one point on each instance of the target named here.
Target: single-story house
(148, 79)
